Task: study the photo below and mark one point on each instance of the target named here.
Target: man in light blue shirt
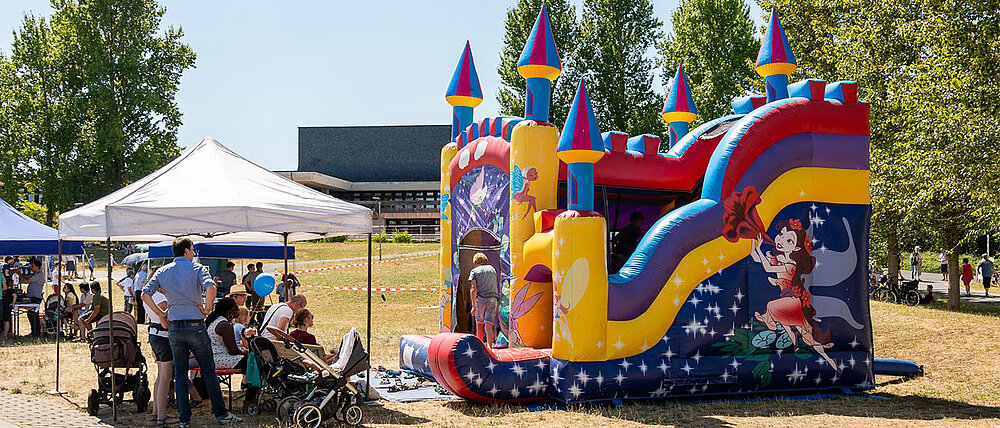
(182, 282)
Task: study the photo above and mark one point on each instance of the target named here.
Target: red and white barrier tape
(277, 275)
(331, 287)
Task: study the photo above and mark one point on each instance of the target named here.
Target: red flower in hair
(740, 219)
(795, 224)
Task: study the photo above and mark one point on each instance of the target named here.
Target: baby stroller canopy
(123, 350)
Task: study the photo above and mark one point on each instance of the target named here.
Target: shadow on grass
(15, 341)
(969, 308)
(710, 413)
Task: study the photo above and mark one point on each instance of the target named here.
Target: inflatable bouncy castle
(750, 274)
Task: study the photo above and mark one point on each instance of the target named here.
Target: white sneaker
(229, 418)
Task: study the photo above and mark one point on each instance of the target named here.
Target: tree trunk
(892, 259)
(954, 291)
(49, 213)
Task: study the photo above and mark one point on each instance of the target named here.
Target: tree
(89, 100)
(714, 40)
(930, 72)
(46, 111)
(131, 74)
(616, 39)
(518, 24)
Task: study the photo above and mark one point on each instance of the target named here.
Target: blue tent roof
(20, 235)
(227, 250)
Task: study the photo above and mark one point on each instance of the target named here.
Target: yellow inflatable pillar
(448, 153)
(534, 169)
(580, 275)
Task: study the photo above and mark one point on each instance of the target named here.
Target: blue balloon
(263, 285)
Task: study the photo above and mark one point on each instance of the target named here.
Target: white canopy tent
(212, 193)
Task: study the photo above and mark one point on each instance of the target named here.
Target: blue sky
(265, 68)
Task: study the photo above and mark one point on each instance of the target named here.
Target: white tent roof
(211, 192)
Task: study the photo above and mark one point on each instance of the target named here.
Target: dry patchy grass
(325, 251)
(959, 352)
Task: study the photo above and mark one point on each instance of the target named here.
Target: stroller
(334, 396)
(281, 380)
(54, 321)
(123, 351)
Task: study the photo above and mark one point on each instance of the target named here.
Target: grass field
(960, 353)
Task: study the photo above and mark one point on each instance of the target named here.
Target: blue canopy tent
(227, 250)
(20, 235)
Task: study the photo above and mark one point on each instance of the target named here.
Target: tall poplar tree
(518, 24)
(714, 40)
(617, 56)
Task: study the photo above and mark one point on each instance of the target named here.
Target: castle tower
(580, 146)
(679, 109)
(775, 60)
(579, 249)
(464, 92)
(540, 65)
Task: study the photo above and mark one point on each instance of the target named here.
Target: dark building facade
(396, 168)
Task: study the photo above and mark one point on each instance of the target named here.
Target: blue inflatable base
(892, 367)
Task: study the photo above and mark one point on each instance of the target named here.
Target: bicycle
(904, 291)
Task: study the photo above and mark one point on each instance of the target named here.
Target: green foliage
(714, 40)
(33, 210)
(616, 37)
(520, 19)
(610, 46)
(402, 237)
(381, 237)
(89, 99)
(931, 72)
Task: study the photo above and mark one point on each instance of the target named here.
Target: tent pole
(111, 334)
(59, 312)
(368, 375)
(285, 250)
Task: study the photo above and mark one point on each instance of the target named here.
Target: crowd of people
(985, 271)
(190, 328)
(189, 313)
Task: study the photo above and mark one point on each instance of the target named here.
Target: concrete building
(396, 167)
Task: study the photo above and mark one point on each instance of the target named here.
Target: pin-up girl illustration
(793, 309)
(520, 184)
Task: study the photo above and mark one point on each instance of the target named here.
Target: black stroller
(129, 364)
(334, 396)
(281, 380)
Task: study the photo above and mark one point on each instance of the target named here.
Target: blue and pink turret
(540, 65)
(679, 110)
(580, 147)
(775, 60)
(464, 92)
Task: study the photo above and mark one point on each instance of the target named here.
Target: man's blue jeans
(191, 336)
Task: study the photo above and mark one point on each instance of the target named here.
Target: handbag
(253, 372)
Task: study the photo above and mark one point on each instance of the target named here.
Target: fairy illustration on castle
(520, 181)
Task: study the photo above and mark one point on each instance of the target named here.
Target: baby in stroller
(333, 396)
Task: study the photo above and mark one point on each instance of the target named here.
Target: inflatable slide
(750, 274)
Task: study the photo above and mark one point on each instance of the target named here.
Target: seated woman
(225, 349)
(301, 321)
